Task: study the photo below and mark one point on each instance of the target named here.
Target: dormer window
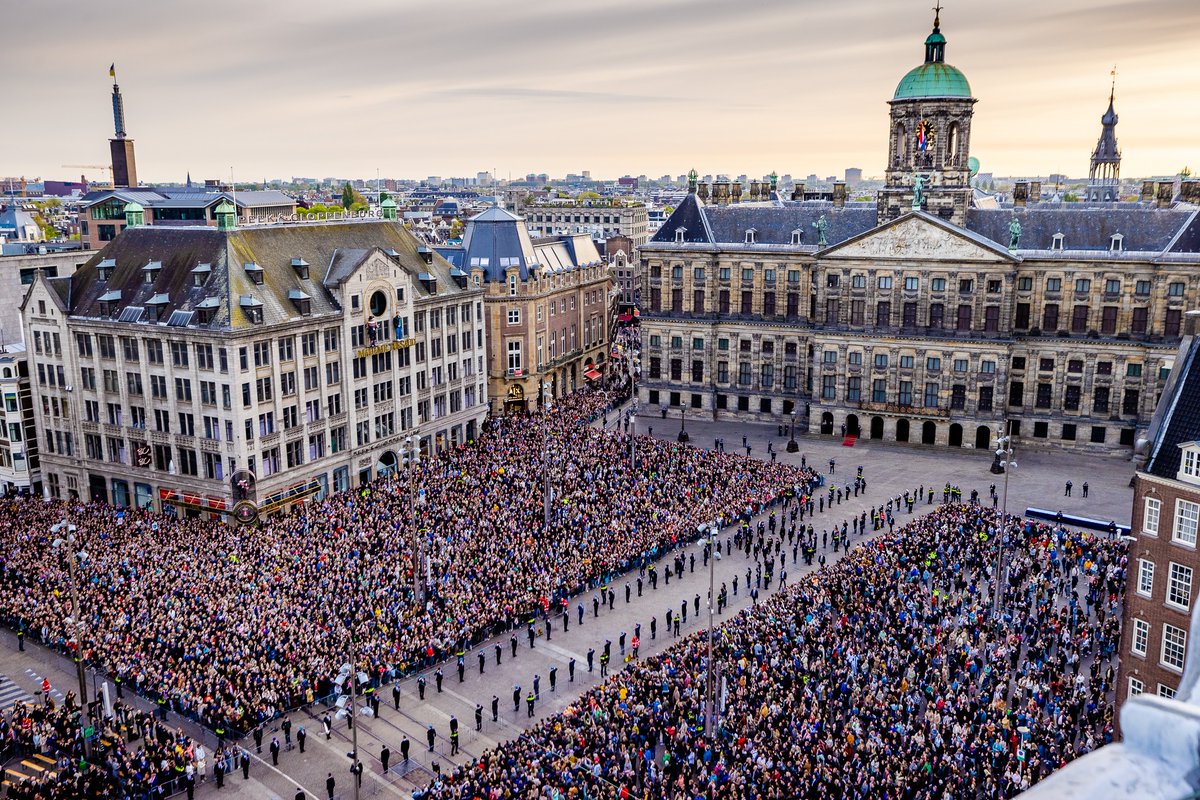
(253, 309)
(208, 309)
(751, 236)
(1116, 242)
(255, 273)
(150, 271)
(1189, 463)
(1057, 242)
(301, 301)
(679, 232)
(109, 301)
(200, 274)
(157, 304)
(105, 268)
(301, 267)
(797, 236)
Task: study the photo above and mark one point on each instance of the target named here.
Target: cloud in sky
(614, 86)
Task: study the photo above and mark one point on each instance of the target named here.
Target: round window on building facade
(378, 304)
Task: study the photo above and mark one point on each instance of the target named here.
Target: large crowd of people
(135, 755)
(231, 626)
(885, 675)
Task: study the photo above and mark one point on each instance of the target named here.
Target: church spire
(1104, 175)
(118, 105)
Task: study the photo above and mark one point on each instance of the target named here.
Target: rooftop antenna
(233, 191)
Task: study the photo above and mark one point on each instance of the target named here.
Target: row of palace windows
(912, 283)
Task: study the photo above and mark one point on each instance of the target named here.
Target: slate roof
(497, 240)
(1177, 418)
(151, 197)
(1188, 240)
(1145, 229)
(690, 215)
(773, 223)
(333, 248)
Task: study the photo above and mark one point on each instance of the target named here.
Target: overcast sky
(612, 86)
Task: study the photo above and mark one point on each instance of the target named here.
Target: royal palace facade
(933, 315)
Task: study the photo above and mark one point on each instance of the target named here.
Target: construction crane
(106, 167)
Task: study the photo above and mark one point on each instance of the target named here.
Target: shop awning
(592, 374)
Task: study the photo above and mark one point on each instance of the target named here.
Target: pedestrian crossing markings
(11, 693)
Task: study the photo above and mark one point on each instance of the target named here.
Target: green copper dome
(934, 79)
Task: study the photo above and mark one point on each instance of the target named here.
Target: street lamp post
(710, 672)
(352, 715)
(69, 542)
(633, 436)
(411, 459)
(683, 434)
(793, 445)
(1004, 459)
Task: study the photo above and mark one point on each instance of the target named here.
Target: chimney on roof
(702, 192)
(798, 190)
(1189, 191)
(737, 191)
(1165, 193)
(721, 192)
(1020, 194)
(1147, 192)
(755, 191)
(839, 194)
(1035, 192)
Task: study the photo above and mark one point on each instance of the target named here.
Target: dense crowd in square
(232, 626)
(881, 676)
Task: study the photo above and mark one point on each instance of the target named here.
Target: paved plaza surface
(890, 470)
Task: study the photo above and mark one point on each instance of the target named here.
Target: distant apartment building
(17, 273)
(599, 221)
(547, 310)
(1163, 560)
(20, 468)
(626, 272)
(238, 369)
(102, 213)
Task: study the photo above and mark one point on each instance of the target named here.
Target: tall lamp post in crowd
(683, 434)
(710, 710)
(793, 445)
(412, 457)
(68, 542)
(352, 710)
(1004, 463)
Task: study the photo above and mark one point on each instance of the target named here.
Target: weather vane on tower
(937, 15)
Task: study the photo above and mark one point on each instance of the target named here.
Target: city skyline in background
(613, 88)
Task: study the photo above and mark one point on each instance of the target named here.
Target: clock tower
(929, 139)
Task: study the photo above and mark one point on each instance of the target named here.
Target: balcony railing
(906, 409)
